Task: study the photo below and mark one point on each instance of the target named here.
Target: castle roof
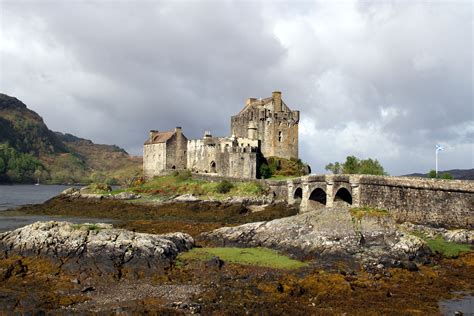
(160, 137)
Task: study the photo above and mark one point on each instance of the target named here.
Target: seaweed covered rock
(325, 233)
(95, 249)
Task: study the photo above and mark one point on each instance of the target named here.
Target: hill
(460, 174)
(30, 150)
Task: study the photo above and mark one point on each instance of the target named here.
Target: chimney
(152, 134)
(178, 129)
(276, 95)
(250, 100)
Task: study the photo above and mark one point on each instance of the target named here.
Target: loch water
(13, 196)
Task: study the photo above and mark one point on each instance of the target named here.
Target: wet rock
(91, 249)
(186, 198)
(126, 196)
(465, 236)
(69, 191)
(325, 233)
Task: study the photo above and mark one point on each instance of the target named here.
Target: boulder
(186, 198)
(95, 249)
(324, 233)
(69, 191)
(126, 196)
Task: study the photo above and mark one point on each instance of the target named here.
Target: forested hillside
(30, 151)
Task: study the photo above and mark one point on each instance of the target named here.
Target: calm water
(12, 196)
(465, 305)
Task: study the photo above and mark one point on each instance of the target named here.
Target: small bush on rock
(224, 187)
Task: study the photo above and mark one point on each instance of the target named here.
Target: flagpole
(436, 162)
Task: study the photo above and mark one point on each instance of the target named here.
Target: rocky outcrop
(465, 236)
(85, 193)
(95, 249)
(325, 233)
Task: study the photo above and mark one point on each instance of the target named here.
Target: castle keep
(263, 128)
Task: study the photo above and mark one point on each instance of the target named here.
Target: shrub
(182, 175)
(224, 187)
(265, 171)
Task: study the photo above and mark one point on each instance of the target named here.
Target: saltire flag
(439, 147)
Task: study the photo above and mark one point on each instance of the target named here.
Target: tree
(335, 168)
(353, 165)
(444, 175)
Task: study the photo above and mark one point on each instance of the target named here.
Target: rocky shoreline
(136, 268)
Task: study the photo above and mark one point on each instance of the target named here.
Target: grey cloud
(110, 71)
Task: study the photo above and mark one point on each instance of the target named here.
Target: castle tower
(272, 122)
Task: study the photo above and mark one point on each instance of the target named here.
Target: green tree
(444, 175)
(432, 174)
(335, 168)
(370, 166)
(353, 165)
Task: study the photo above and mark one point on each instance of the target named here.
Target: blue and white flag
(439, 147)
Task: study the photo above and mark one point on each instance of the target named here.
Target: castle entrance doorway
(213, 167)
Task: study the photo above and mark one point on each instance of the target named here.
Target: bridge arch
(343, 197)
(317, 198)
(298, 195)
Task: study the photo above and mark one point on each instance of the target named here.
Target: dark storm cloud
(385, 80)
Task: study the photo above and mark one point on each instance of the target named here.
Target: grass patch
(446, 248)
(88, 227)
(171, 185)
(360, 212)
(262, 257)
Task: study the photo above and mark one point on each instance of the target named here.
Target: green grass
(176, 185)
(247, 256)
(282, 177)
(89, 227)
(446, 248)
(360, 212)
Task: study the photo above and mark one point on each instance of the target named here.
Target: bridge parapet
(448, 203)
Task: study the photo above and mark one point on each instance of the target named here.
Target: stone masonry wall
(421, 201)
(448, 203)
(276, 130)
(154, 159)
(176, 152)
(230, 162)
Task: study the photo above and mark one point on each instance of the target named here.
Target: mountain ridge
(30, 151)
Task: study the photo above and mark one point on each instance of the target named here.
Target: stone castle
(263, 128)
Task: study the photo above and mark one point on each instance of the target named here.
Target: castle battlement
(263, 128)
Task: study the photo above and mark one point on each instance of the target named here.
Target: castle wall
(213, 157)
(154, 159)
(277, 131)
(176, 152)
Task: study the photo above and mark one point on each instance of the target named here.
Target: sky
(376, 79)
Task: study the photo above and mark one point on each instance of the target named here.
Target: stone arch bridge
(448, 203)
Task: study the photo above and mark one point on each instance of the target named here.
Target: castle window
(280, 136)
